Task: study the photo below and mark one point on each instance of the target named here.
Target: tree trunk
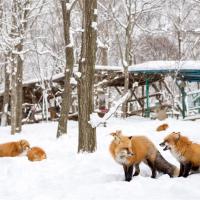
(1, 13)
(69, 57)
(4, 116)
(13, 100)
(126, 84)
(14, 72)
(179, 45)
(128, 62)
(19, 25)
(87, 134)
(19, 89)
(16, 95)
(104, 56)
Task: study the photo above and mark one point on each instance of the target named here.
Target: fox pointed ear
(116, 135)
(118, 132)
(177, 135)
(130, 137)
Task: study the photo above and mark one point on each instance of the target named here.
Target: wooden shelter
(146, 81)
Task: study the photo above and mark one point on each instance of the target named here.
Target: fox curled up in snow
(36, 154)
(162, 127)
(184, 150)
(130, 151)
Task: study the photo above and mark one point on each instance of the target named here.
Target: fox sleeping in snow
(12, 149)
(162, 127)
(130, 151)
(36, 154)
(184, 150)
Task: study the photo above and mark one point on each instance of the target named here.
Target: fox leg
(137, 170)
(187, 169)
(128, 171)
(153, 169)
(181, 169)
(195, 168)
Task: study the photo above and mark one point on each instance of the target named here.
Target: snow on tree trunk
(69, 57)
(87, 134)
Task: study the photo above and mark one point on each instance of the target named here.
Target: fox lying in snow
(36, 154)
(184, 150)
(162, 127)
(130, 151)
(12, 149)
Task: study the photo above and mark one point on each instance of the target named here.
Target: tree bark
(19, 89)
(19, 26)
(16, 94)
(87, 134)
(128, 60)
(1, 13)
(69, 57)
(4, 116)
(13, 100)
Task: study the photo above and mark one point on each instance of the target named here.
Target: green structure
(147, 113)
(182, 71)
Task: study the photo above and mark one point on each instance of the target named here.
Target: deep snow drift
(66, 175)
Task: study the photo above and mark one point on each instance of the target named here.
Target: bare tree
(69, 56)
(87, 134)
(179, 14)
(6, 96)
(1, 13)
(20, 12)
(6, 78)
(132, 11)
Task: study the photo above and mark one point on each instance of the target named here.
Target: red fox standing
(185, 151)
(131, 151)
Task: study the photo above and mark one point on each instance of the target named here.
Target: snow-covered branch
(95, 120)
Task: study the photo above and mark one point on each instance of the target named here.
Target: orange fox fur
(36, 154)
(184, 150)
(162, 127)
(131, 151)
(12, 149)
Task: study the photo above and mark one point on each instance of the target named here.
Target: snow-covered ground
(66, 175)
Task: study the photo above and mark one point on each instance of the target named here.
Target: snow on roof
(36, 79)
(61, 75)
(165, 66)
(109, 68)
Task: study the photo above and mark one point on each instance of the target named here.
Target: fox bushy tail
(165, 167)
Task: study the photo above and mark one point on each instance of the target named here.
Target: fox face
(170, 141)
(123, 148)
(24, 145)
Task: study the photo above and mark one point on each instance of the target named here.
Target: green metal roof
(187, 70)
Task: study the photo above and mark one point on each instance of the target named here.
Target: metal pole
(147, 98)
(183, 101)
